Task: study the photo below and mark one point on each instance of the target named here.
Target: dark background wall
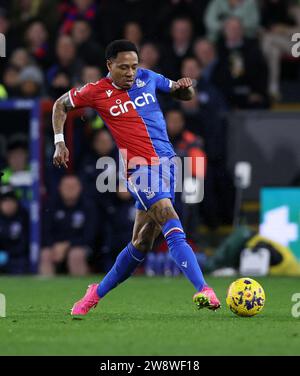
(270, 142)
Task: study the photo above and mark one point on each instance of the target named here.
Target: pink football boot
(89, 301)
(206, 298)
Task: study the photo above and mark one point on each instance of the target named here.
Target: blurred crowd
(234, 50)
(237, 45)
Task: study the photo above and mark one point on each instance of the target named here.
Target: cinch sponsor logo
(140, 101)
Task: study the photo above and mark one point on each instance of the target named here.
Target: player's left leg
(144, 233)
(164, 214)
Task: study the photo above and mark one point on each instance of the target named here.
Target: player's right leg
(164, 214)
(144, 233)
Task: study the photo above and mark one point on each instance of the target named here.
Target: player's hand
(183, 83)
(61, 155)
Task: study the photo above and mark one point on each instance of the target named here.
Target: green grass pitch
(143, 316)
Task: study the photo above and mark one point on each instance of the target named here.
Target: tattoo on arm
(59, 114)
(66, 102)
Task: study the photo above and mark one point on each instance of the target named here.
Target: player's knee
(162, 211)
(144, 240)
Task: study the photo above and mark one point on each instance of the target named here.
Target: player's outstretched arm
(183, 89)
(59, 115)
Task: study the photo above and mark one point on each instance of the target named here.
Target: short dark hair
(120, 45)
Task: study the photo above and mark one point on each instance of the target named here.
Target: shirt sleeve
(162, 83)
(82, 97)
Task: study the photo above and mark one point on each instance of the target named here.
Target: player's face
(123, 69)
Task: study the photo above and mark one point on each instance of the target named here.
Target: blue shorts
(149, 184)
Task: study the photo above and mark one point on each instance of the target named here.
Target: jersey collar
(111, 81)
(116, 86)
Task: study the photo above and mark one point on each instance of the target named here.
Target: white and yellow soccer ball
(245, 297)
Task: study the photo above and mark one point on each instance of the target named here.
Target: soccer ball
(245, 297)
